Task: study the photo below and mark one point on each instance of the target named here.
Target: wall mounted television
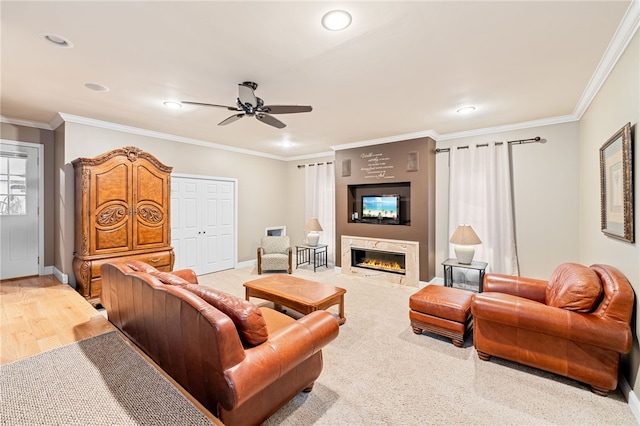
(381, 209)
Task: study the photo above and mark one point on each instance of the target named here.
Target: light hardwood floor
(38, 314)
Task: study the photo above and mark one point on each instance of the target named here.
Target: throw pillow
(246, 316)
(574, 287)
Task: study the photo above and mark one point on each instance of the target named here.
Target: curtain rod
(301, 166)
(514, 142)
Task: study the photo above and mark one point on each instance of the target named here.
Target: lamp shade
(464, 235)
(313, 225)
(464, 238)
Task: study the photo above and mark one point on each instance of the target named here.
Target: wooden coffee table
(304, 296)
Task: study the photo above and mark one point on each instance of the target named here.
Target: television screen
(381, 207)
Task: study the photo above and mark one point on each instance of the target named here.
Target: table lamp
(464, 239)
(313, 226)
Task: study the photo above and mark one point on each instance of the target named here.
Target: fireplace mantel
(409, 248)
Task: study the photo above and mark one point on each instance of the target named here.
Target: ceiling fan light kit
(248, 104)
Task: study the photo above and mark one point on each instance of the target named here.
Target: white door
(203, 223)
(217, 225)
(19, 203)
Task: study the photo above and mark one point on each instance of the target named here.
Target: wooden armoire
(121, 212)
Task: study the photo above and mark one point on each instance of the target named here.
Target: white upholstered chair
(274, 254)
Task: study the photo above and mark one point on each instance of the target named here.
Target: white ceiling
(401, 68)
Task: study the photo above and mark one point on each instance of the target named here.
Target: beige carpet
(378, 372)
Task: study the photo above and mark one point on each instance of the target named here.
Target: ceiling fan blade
(211, 105)
(286, 109)
(271, 121)
(230, 119)
(246, 95)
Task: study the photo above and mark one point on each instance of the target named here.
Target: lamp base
(464, 254)
(313, 238)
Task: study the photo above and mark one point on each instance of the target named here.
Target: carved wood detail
(111, 215)
(150, 214)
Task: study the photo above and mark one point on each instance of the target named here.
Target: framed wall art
(616, 186)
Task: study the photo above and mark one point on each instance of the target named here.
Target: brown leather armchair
(241, 361)
(577, 324)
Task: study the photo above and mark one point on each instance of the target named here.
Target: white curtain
(319, 202)
(480, 195)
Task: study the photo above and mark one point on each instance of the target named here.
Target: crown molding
(311, 156)
(389, 139)
(625, 32)
(160, 135)
(25, 123)
(509, 127)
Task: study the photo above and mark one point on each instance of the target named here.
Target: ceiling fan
(252, 106)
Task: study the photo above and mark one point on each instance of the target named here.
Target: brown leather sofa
(240, 361)
(577, 324)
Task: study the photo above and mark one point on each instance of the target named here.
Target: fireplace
(391, 261)
(378, 260)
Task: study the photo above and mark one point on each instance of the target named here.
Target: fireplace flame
(382, 264)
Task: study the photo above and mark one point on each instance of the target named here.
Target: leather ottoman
(445, 311)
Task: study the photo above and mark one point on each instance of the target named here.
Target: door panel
(19, 199)
(110, 208)
(203, 237)
(149, 221)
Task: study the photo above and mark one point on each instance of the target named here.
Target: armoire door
(109, 207)
(150, 198)
(203, 223)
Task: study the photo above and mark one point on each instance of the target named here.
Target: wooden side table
(451, 263)
(305, 254)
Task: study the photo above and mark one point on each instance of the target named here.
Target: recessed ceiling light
(173, 104)
(97, 87)
(466, 110)
(57, 40)
(336, 20)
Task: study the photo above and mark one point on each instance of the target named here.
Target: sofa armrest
(188, 275)
(285, 349)
(539, 318)
(529, 288)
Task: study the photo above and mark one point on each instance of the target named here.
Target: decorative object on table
(464, 238)
(313, 227)
(616, 186)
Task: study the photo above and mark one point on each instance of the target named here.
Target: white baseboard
(63, 278)
(437, 281)
(246, 263)
(631, 397)
(47, 270)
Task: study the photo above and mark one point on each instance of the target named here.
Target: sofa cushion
(574, 287)
(140, 266)
(169, 278)
(246, 316)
